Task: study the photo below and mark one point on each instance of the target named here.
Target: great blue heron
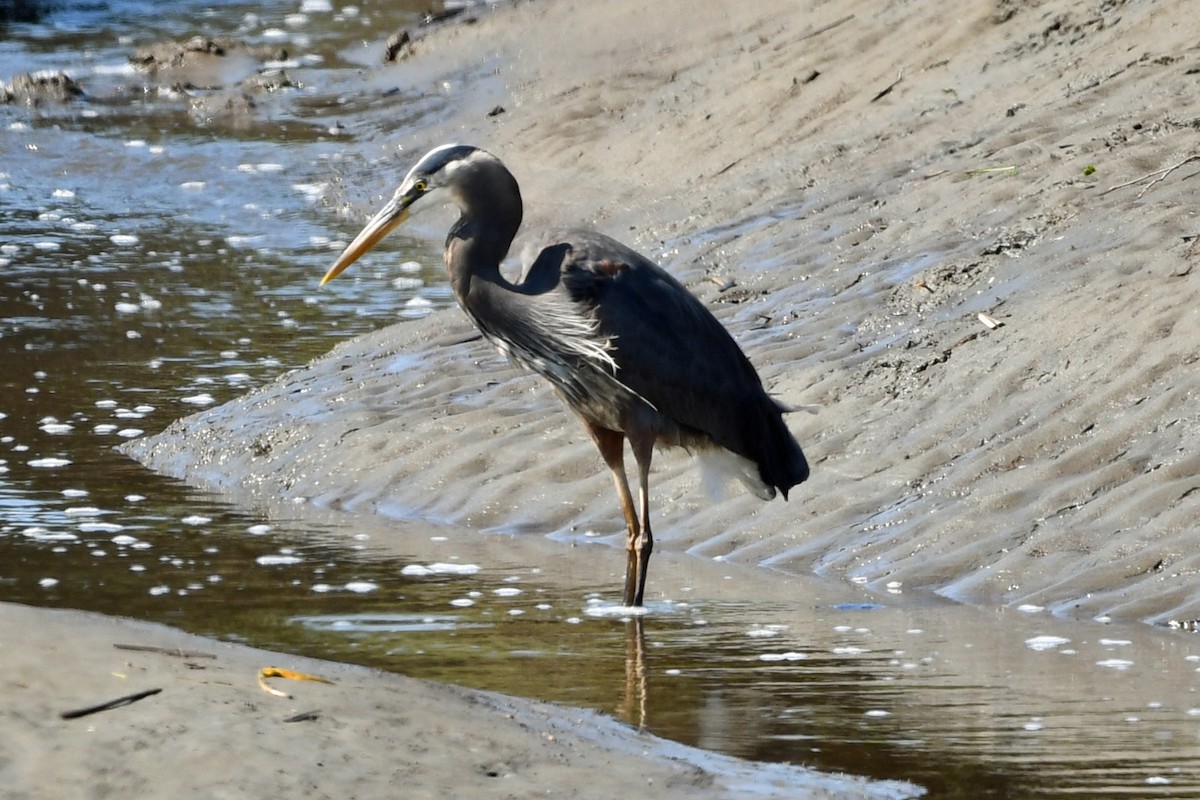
(628, 349)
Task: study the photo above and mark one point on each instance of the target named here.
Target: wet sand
(872, 184)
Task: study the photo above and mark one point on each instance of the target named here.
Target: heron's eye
(420, 186)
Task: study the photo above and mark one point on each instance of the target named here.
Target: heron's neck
(474, 250)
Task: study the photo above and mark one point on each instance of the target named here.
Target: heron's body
(628, 348)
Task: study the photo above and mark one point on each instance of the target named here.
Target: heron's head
(450, 166)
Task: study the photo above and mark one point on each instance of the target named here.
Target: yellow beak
(390, 216)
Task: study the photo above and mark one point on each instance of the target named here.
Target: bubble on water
(315, 6)
(84, 227)
(462, 602)
(155, 591)
(46, 583)
(791, 655)
(507, 591)
(74, 493)
(106, 404)
(1158, 780)
(416, 570)
(127, 308)
(137, 568)
(1115, 663)
(1115, 642)
(63, 194)
(764, 631)
(269, 166)
(877, 712)
(124, 540)
(130, 433)
(603, 610)
(276, 560)
(1034, 724)
(39, 534)
(196, 519)
(84, 511)
(361, 587)
(416, 308)
(49, 463)
(258, 530)
(135, 143)
(202, 399)
(515, 612)
(1045, 642)
(134, 498)
(123, 239)
(104, 428)
(322, 588)
(47, 245)
(1030, 608)
(849, 650)
(193, 185)
(100, 527)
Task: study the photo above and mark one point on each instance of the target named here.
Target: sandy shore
(211, 731)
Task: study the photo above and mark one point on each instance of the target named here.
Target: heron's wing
(668, 347)
(538, 324)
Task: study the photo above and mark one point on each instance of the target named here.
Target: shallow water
(155, 264)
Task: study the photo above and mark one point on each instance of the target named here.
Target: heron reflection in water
(625, 345)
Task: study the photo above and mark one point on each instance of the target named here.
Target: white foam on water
(849, 650)
(1115, 663)
(1045, 642)
(1115, 642)
(123, 239)
(156, 591)
(202, 399)
(258, 530)
(124, 540)
(877, 712)
(104, 428)
(196, 519)
(193, 186)
(74, 493)
(462, 602)
(278, 560)
(602, 610)
(48, 463)
(39, 534)
(361, 587)
(130, 433)
(791, 655)
(46, 583)
(101, 527)
(85, 511)
(1030, 608)
(507, 591)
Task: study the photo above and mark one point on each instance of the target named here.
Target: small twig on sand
(887, 89)
(1158, 175)
(166, 651)
(824, 28)
(1010, 169)
(120, 701)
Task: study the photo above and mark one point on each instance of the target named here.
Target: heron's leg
(611, 445)
(642, 444)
